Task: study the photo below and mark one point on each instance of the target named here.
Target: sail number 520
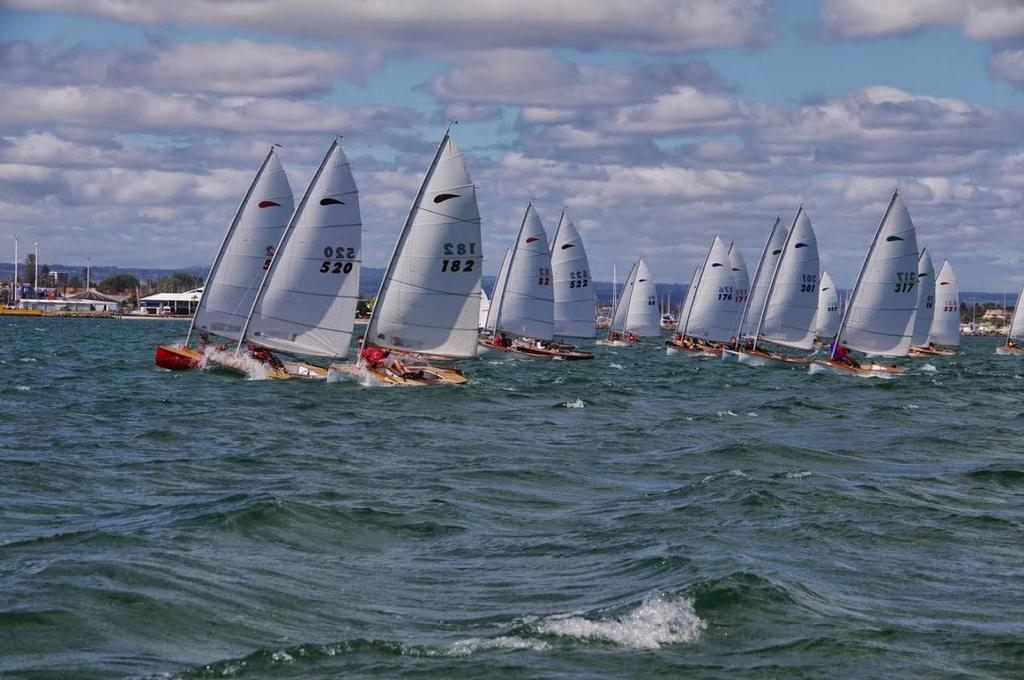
(339, 255)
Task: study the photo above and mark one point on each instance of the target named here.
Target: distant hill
(370, 281)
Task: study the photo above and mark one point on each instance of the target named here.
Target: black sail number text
(338, 260)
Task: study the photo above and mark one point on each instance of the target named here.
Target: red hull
(176, 358)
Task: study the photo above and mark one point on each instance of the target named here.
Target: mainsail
(740, 281)
(788, 317)
(574, 296)
(826, 323)
(307, 303)
(712, 312)
(429, 299)
(925, 299)
(497, 292)
(527, 306)
(1016, 329)
(246, 253)
(879, 317)
(621, 310)
(945, 328)
(754, 305)
(643, 317)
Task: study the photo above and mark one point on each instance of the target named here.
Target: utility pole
(35, 275)
(15, 269)
(88, 274)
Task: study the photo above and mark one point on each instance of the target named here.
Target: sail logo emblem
(268, 204)
(270, 257)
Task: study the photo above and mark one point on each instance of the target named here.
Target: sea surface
(635, 516)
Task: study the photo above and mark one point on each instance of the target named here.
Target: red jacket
(373, 356)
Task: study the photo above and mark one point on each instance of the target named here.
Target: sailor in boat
(263, 356)
(631, 338)
(1012, 344)
(842, 355)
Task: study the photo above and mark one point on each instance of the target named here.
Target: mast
(775, 275)
(627, 297)
(757, 277)
(614, 301)
(35, 276)
(227, 239)
(15, 269)
(863, 268)
(404, 235)
(696, 288)
(511, 261)
(262, 290)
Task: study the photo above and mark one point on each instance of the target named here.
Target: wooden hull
(177, 358)
(864, 371)
(417, 376)
(697, 348)
(548, 353)
(300, 369)
(621, 342)
(932, 352)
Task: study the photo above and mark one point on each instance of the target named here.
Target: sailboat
(306, 303)
(244, 256)
(826, 322)
(708, 316)
(879, 317)
(754, 303)
(525, 307)
(943, 337)
(636, 314)
(428, 305)
(1015, 331)
(574, 297)
(485, 308)
(791, 303)
(925, 303)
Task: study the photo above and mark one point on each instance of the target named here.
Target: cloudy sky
(131, 129)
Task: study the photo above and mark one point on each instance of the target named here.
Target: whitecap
(753, 414)
(575, 403)
(504, 642)
(282, 657)
(28, 360)
(22, 388)
(657, 621)
(797, 475)
(725, 413)
(616, 366)
(929, 368)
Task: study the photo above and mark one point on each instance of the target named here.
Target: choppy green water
(633, 516)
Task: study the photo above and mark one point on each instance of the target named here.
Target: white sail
(497, 292)
(793, 295)
(485, 308)
(527, 306)
(574, 297)
(429, 299)
(307, 303)
(621, 310)
(712, 314)
(945, 328)
(754, 306)
(643, 318)
(247, 252)
(1016, 329)
(879, 317)
(925, 299)
(687, 304)
(740, 282)
(826, 323)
